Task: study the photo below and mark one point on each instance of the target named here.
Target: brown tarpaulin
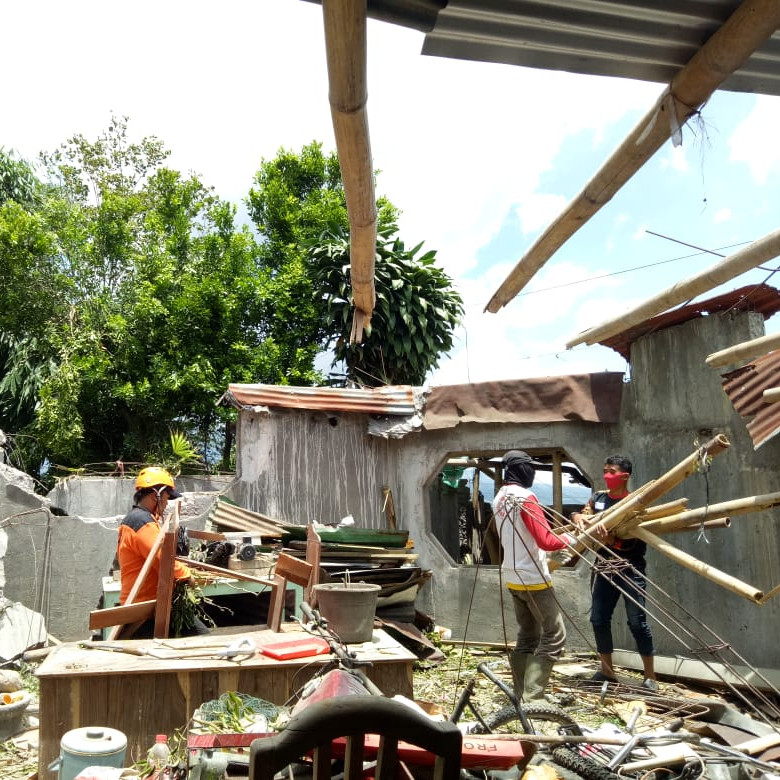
(585, 397)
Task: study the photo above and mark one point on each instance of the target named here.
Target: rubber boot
(537, 675)
(518, 661)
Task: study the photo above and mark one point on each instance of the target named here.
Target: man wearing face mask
(619, 570)
(525, 540)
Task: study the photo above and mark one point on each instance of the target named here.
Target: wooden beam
(746, 30)
(165, 582)
(758, 252)
(747, 350)
(345, 46)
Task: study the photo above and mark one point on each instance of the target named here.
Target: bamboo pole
(616, 515)
(746, 259)
(747, 350)
(663, 510)
(771, 395)
(739, 506)
(727, 50)
(704, 569)
(717, 522)
(345, 46)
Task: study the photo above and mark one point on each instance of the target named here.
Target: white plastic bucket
(89, 746)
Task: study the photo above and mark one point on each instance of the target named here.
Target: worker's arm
(537, 524)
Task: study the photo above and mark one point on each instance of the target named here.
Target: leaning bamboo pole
(745, 260)
(345, 46)
(700, 567)
(747, 350)
(751, 24)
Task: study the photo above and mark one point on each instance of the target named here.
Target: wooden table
(143, 695)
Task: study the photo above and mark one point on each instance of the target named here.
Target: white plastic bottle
(159, 754)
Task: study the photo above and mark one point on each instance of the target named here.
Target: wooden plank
(165, 583)
(119, 616)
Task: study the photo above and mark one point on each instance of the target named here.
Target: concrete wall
(303, 465)
(54, 563)
(310, 466)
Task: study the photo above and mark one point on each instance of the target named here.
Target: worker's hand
(560, 557)
(581, 519)
(568, 539)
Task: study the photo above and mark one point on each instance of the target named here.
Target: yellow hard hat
(155, 477)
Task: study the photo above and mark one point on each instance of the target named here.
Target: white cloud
(537, 210)
(754, 142)
(722, 215)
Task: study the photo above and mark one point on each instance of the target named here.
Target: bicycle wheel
(544, 719)
(586, 768)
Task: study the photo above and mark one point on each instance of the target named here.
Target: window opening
(460, 500)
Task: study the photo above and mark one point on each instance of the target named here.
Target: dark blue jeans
(606, 590)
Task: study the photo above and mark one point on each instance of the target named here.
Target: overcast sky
(478, 157)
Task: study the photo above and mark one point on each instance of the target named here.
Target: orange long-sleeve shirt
(137, 534)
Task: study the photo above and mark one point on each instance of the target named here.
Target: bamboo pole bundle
(664, 510)
(739, 506)
(751, 24)
(704, 569)
(625, 511)
(345, 45)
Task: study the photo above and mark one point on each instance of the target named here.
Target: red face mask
(615, 482)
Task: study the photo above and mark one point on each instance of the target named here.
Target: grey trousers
(540, 628)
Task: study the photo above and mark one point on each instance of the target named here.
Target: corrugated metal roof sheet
(745, 387)
(389, 400)
(761, 298)
(640, 39)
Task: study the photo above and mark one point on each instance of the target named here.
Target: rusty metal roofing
(761, 298)
(397, 400)
(648, 40)
(745, 387)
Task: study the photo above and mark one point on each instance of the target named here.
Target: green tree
(414, 318)
(299, 209)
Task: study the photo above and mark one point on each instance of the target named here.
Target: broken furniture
(353, 717)
(146, 687)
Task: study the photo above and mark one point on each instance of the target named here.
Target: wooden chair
(287, 569)
(400, 730)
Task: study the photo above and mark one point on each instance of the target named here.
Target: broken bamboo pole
(346, 54)
(700, 567)
(738, 506)
(744, 32)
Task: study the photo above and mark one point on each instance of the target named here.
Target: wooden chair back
(287, 569)
(313, 730)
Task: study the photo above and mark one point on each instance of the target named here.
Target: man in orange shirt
(139, 530)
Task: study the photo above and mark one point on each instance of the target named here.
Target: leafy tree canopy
(130, 298)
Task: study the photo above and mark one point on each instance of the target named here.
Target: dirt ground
(439, 685)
